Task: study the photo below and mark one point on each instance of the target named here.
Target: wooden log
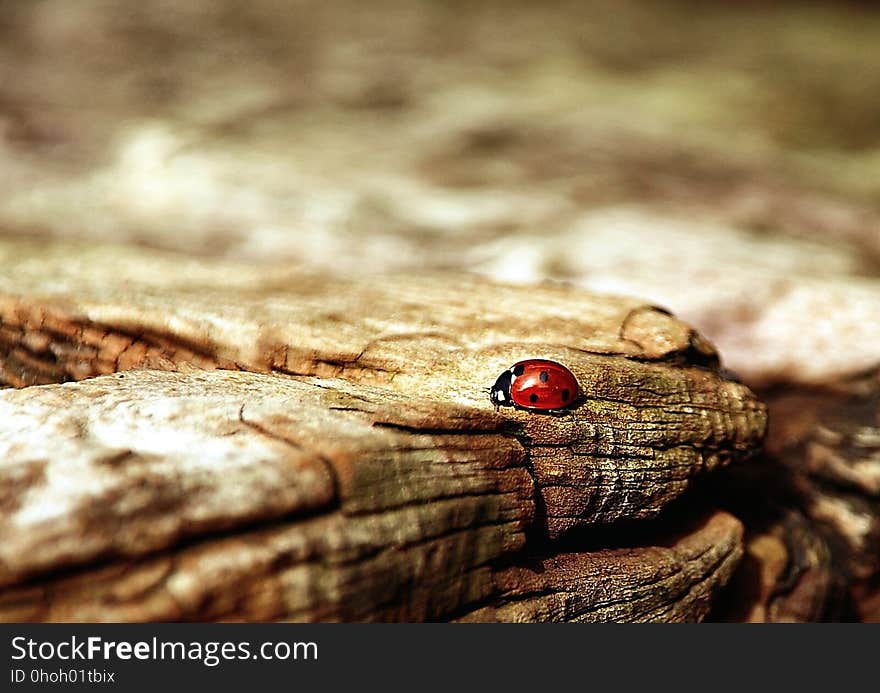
(655, 412)
(757, 225)
(794, 317)
(788, 574)
(291, 446)
(131, 464)
(666, 583)
(223, 495)
(828, 440)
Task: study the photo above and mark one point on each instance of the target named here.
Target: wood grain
(656, 412)
(287, 445)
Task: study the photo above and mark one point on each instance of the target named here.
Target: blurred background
(721, 159)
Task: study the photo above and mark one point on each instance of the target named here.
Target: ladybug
(537, 385)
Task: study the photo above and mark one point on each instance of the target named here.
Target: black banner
(289, 657)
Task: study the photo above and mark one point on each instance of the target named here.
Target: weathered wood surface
(798, 322)
(788, 572)
(218, 494)
(555, 145)
(133, 463)
(827, 442)
(664, 583)
(655, 413)
(804, 335)
(394, 449)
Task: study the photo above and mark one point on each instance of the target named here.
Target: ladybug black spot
(533, 397)
(519, 369)
(565, 395)
(545, 376)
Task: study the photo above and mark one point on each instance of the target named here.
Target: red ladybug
(536, 384)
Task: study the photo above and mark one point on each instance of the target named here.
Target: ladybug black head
(500, 391)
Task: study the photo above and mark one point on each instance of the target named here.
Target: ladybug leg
(488, 391)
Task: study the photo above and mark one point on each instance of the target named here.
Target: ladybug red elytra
(535, 384)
